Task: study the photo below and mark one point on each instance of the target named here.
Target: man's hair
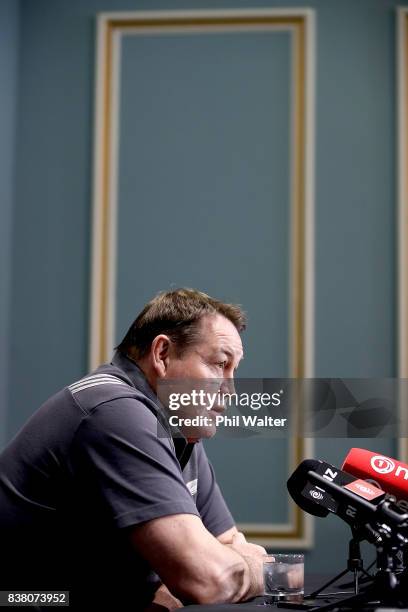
(177, 314)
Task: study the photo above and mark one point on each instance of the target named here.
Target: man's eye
(222, 364)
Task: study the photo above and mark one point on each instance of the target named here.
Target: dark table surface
(312, 582)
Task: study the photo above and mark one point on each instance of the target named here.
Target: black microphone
(319, 488)
(314, 500)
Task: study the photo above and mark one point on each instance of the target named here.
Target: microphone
(306, 496)
(382, 471)
(319, 488)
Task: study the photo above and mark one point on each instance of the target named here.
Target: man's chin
(194, 434)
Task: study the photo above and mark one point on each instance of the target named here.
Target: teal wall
(44, 311)
(9, 40)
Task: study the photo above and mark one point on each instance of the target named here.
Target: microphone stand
(386, 588)
(366, 578)
(354, 565)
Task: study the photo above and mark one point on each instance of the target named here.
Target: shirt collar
(136, 376)
(139, 381)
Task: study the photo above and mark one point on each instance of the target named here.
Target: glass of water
(283, 577)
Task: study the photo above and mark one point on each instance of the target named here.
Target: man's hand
(164, 601)
(296, 577)
(253, 554)
(244, 548)
(226, 536)
(193, 564)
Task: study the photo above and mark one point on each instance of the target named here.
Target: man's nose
(227, 384)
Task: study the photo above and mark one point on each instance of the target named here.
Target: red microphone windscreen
(388, 474)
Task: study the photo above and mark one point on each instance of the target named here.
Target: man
(96, 497)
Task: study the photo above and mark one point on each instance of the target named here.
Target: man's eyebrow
(230, 354)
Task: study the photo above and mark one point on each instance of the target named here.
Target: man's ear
(159, 351)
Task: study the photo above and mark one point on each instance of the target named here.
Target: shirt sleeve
(126, 468)
(213, 509)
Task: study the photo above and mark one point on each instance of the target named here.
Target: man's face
(213, 359)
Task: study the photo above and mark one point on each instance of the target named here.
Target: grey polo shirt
(89, 464)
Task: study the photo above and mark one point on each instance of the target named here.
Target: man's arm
(163, 601)
(227, 536)
(210, 502)
(158, 510)
(194, 565)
